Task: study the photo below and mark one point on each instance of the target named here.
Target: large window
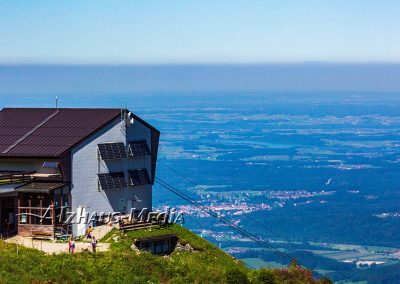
(57, 198)
(65, 197)
(35, 209)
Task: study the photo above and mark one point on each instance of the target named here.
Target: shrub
(265, 276)
(236, 276)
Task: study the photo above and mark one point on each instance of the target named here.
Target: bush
(236, 276)
(265, 276)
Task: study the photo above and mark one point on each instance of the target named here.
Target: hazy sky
(199, 31)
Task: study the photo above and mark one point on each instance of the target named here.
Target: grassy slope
(123, 265)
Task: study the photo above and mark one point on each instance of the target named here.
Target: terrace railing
(15, 177)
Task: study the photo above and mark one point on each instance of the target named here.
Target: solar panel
(112, 151)
(112, 180)
(139, 177)
(138, 148)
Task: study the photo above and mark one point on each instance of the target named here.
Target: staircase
(100, 231)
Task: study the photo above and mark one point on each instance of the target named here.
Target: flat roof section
(40, 187)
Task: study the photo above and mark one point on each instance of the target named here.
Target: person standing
(89, 233)
(69, 244)
(94, 244)
(72, 246)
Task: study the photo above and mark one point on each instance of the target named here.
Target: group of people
(93, 241)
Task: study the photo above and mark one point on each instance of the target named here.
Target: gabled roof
(48, 132)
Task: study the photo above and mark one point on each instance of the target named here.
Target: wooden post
(41, 208)
(30, 210)
(18, 211)
(53, 219)
(69, 197)
(62, 197)
(1, 220)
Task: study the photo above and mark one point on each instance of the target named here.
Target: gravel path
(51, 247)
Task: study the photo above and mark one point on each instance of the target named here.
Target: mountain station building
(87, 160)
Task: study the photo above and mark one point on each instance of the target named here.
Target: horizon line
(271, 63)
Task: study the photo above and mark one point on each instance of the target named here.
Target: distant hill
(199, 78)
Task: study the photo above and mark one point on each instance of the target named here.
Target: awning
(9, 188)
(40, 187)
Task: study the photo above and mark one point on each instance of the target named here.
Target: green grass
(340, 252)
(123, 265)
(260, 263)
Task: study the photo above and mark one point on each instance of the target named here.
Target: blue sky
(126, 32)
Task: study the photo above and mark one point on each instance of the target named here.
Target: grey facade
(86, 165)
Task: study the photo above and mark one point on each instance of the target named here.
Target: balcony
(15, 177)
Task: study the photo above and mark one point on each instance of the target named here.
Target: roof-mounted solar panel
(139, 177)
(112, 180)
(138, 148)
(112, 151)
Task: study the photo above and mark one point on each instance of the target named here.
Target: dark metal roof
(40, 187)
(48, 132)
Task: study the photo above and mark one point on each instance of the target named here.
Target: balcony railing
(15, 177)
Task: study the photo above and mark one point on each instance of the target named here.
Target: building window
(35, 209)
(48, 164)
